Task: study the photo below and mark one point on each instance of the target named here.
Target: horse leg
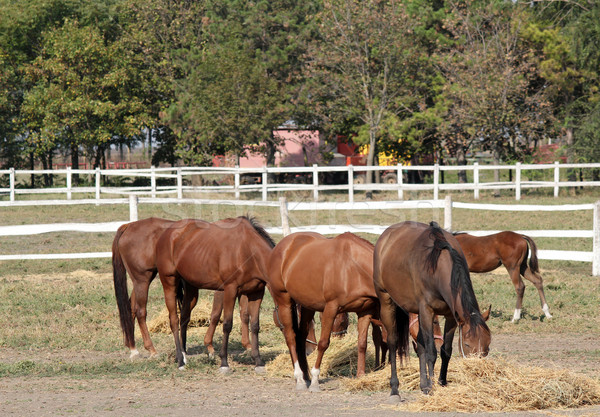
(537, 280)
(446, 350)
(364, 319)
(229, 297)
(133, 352)
(215, 316)
(327, 319)
(311, 339)
(139, 296)
(378, 343)
(426, 348)
(515, 276)
(388, 318)
(252, 309)
(190, 298)
(245, 320)
(170, 290)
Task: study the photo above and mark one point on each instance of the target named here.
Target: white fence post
(153, 181)
(448, 213)
(436, 181)
(399, 180)
(133, 208)
(476, 180)
(236, 182)
(264, 183)
(315, 183)
(69, 182)
(518, 181)
(285, 218)
(97, 183)
(596, 244)
(350, 183)
(556, 177)
(179, 184)
(12, 184)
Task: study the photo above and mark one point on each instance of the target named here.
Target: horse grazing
(133, 252)
(486, 253)
(228, 255)
(420, 268)
(327, 275)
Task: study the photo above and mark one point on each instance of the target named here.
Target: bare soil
(244, 393)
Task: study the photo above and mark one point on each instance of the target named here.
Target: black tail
(300, 342)
(121, 294)
(402, 327)
(533, 261)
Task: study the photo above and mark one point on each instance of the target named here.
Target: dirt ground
(244, 393)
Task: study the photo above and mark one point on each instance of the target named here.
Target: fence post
(518, 181)
(315, 183)
(476, 180)
(448, 213)
(133, 208)
(97, 184)
(350, 184)
(69, 182)
(264, 183)
(285, 218)
(179, 184)
(153, 181)
(399, 180)
(596, 244)
(436, 181)
(556, 177)
(236, 182)
(12, 184)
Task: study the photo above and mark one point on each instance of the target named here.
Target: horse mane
(460, 279)
(260, 230)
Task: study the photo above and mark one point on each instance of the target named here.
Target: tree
(361, 60)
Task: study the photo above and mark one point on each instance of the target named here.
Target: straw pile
(490, 385)
(200, 317)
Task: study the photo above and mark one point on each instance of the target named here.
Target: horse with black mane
(419, 268)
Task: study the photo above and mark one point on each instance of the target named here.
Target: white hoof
(260, 370)
(394, 399)
(314, 387)
(185, 361)
(516, 315)
(134, 354)
(182, 368)
(224, 370)
(301, 386)
(211, 356)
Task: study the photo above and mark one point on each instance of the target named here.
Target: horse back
(136, 242)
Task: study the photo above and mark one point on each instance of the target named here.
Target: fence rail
(447, 205)
(231, 180)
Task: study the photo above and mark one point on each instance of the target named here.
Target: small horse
(133, 252)
(228, 255)
(420, 268)
(486, 253)
(328, 275)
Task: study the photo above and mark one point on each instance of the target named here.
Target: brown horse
(486, 253)
(228, 255)
(328, 275)
(133, 252)
(420, 268)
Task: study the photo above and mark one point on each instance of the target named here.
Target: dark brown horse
(486, 253)
(133, 252)
(328, 275)
(228, 255)
(420, 268)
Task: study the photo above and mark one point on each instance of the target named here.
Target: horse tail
(180, 291)
(533, 261)
(120, 283)
(300, 343)
(403, 330)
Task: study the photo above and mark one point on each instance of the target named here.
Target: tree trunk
(32, 167)
(75, 162)
(496, 159)
(461, 159)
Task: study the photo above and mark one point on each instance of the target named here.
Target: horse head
(474, 334)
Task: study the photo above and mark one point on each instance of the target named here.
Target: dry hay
(339, 359)
(200, 317)
(489, 385)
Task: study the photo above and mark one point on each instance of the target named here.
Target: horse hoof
(182, 368)
(135, 354)
(314, 388)
(211, 356)
(224, 370)
(301, 386)
(394, 399)
(260, 370)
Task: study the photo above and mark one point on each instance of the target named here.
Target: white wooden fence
(447, 205)
(231, 180)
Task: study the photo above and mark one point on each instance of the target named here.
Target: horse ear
(486, 313)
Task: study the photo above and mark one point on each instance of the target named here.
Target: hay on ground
(489, 385)
(200, 317)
